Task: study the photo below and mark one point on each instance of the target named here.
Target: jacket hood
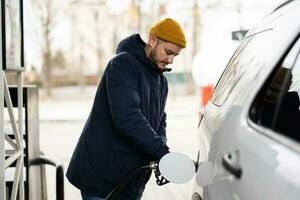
(135, 46)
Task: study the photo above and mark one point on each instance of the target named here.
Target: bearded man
(126, 128)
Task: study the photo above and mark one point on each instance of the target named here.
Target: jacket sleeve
(122, 88)
(162, 128)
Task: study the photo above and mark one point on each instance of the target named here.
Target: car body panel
(270, 167)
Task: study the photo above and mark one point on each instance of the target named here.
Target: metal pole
(18, 182)
(2, 138)
(20, 126)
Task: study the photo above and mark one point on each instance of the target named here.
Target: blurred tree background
(68, 43)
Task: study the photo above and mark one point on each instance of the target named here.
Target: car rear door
(259, 153)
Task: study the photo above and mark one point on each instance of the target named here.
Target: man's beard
(152, 57)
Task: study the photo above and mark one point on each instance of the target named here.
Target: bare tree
(97, 31)
(196, 28)
(135, 15)
(87, 42)
(48, 13)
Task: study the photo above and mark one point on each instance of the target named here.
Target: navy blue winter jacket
(127, 125)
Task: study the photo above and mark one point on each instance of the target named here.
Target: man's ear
(152, 40)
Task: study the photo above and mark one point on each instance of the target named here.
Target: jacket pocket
(120, 163)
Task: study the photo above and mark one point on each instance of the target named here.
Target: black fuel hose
(115, 192)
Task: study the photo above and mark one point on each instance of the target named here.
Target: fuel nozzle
(160, 180)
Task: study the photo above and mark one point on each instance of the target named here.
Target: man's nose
(170, 59)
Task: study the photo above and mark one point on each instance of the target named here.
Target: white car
(250, 130)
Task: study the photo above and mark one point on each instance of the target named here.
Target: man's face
(162, 53)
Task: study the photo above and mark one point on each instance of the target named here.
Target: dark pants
(89, 197)
(133, 190)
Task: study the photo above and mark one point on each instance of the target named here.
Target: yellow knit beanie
(170, 31)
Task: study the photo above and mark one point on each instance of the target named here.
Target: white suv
(250, 130)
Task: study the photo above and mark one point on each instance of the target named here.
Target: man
(126, 128)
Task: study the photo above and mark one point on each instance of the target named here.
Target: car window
(277, 105)
(230, 76)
